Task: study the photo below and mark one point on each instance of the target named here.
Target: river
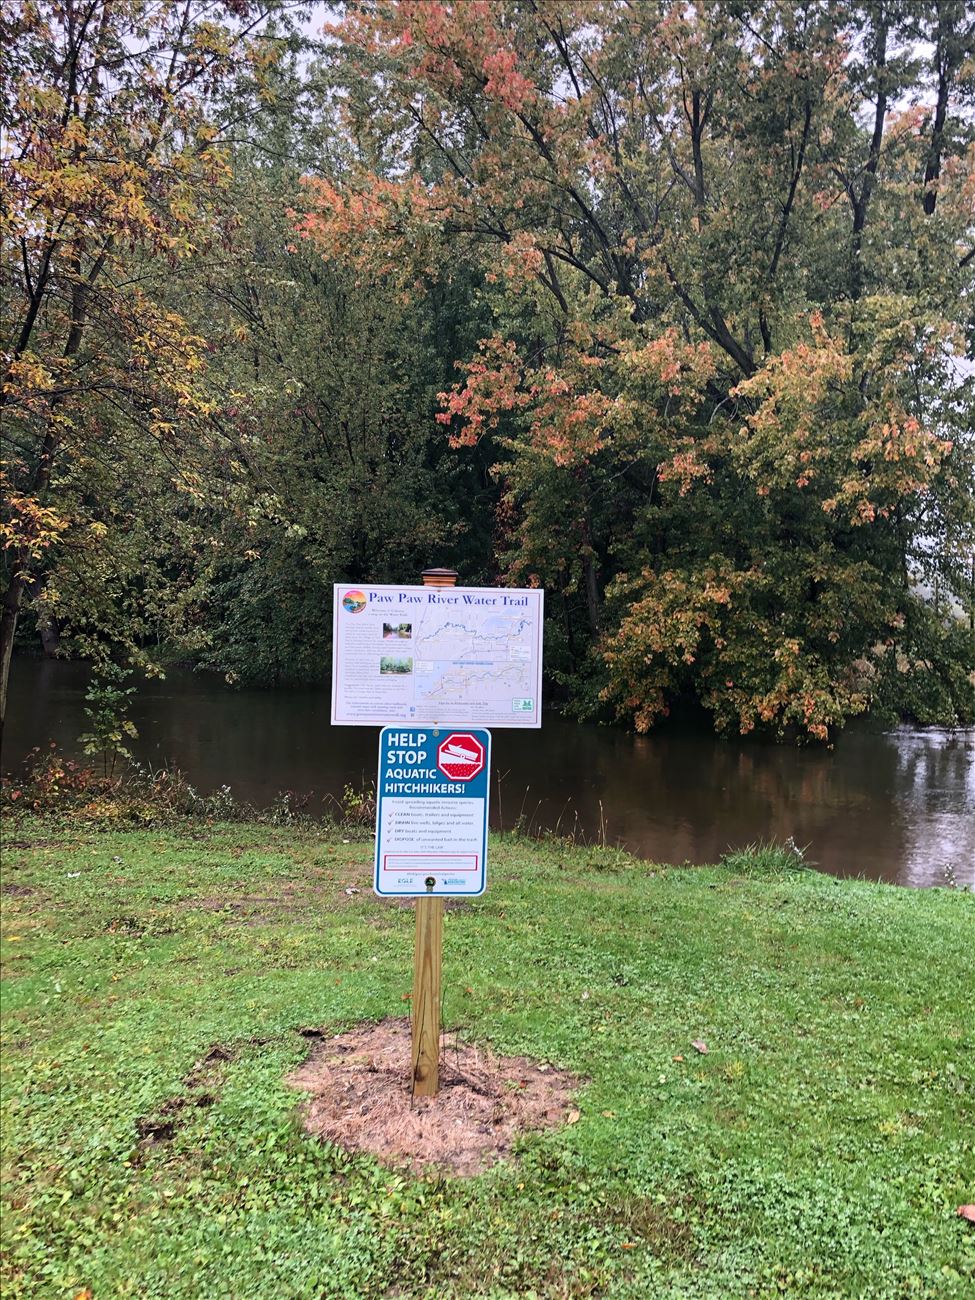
(897, 805)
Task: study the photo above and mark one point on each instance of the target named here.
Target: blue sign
(432, 811)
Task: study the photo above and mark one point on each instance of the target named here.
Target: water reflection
(896, 806)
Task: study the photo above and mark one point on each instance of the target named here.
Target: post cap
(439, 577)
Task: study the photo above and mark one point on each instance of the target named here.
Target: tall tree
(113, 113)
(724, 380)
(330, 382)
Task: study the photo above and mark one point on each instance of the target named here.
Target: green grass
(820, 1147)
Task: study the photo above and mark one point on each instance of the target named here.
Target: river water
(896, 805)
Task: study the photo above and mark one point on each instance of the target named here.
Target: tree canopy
(666, 308)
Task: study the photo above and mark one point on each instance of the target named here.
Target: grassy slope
(820, 1148)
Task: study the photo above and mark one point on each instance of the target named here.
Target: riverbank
(820, 1146)
(898, 806)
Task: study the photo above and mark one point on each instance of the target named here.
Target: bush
(52, 785)
(767, 858)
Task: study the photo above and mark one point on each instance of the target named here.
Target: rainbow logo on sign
(354, 602)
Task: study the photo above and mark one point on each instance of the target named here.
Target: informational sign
(432, 811)
(429, 655)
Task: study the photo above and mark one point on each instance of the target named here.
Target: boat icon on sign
(461, 756)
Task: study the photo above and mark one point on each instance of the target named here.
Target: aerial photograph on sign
(475, 655)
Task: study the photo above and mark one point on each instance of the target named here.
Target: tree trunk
(932, 167)
(22, 572)
(589, 583)
(862, 202)
(8, 626)
(569, 634)
(50, 637)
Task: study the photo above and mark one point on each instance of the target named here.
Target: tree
(113, 179)
(730, 245)
(330, 383)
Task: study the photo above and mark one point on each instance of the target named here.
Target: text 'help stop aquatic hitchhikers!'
(411, 769)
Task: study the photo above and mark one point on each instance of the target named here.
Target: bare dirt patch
(360, 1098)
(202, 1085)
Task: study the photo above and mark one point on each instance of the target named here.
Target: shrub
(767, 858)
(52, 785)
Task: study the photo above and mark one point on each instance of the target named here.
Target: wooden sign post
(432, 793)
(428, 955)
(427, 967)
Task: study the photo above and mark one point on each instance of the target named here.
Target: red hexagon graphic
(460, 756)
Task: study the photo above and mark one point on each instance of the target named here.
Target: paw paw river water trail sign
(436, 655)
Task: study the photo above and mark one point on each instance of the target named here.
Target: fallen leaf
(610, 1114)
(700, 1045)
(83, 1295)
(573, 1117)
(967, 1212)
(677, 1058)
(15, 938)
(629, 1245)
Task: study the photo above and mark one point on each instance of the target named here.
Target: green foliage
(107, 702)
(359, 805)
(116, 186)
(63, 790)
(338, 470)
(48, 783)
(928, 674)
(663, 309)
(157, 983)
(728, 273)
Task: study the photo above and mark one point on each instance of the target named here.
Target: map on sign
(436, 654)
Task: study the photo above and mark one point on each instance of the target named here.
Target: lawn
(157, 983)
